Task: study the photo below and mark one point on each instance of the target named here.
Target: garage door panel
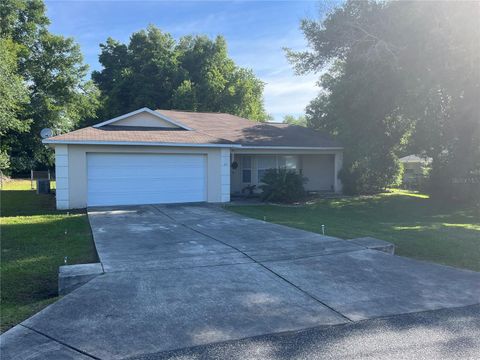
(110, 160)
(146, 180)
(139, 173)
(98, 172)
(106, 199)
(127, 179)
(137, 194)
(148, 166)
(139, 186)
(150, 169)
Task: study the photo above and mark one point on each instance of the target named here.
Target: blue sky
(255, 32)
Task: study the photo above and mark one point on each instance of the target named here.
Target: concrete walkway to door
(178, 276)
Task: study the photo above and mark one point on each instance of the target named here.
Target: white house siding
(321, 167)
(319, 170)
(217, 168)
(62, 177)
(144, 119)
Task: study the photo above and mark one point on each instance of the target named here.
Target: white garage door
(130, 179)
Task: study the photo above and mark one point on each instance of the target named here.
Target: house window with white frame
(246, 169)
(289, 162)
(264, 163)
(267, 162)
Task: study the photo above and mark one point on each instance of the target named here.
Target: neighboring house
(414, 169)
(166, 156)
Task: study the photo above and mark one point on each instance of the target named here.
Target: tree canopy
(300, 120)
(13, 97)
(400, 77)
(194, 73)
(43, 81)
(42, 84)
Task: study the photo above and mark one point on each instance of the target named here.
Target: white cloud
(285, 93)
(289, 95)
(279, 86)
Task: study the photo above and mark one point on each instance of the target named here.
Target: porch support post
(225, 174)
(337, 166)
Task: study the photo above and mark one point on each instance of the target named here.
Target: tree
(400, 76)
(360, 103)
(292, 120)
(51, 68)
(194, 73)
(444, 79)
(22, 21)
(13, 97)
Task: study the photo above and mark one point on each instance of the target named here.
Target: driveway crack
(61, 342)
(259, 263)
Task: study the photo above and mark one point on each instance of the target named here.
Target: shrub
(447, 183)
(282, 185)
(370, 174)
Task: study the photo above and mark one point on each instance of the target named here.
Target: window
(246, 169)
(265, 163)
(261, 173)
(247, 176)
(289, 162)
(259, 164)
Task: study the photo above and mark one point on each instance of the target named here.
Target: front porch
(319, 167)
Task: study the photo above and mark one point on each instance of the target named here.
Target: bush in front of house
(370, 174)
(282, 185)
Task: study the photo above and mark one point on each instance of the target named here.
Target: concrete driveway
(178, 276)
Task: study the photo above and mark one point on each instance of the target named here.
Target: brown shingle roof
(207, 128)
(111, 133)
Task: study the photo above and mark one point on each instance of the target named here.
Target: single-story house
(414, 169)
(167, 156)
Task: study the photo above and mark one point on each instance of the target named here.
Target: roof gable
(144, 117)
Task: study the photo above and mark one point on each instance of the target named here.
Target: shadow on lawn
(26, 202)
(29, 203)
(420, 227)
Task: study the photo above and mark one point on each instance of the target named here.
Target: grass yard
(418, 226)
(35, 240)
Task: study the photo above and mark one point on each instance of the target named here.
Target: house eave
(292, 147)
(149, 143)
(136, 143)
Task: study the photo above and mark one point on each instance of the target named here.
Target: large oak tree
(400, 77)
(194, 73)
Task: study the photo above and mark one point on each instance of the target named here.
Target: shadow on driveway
(180, 276)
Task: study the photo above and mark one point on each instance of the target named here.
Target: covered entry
(319, 169)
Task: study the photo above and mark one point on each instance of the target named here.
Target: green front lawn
(419, 227)
(35, 240)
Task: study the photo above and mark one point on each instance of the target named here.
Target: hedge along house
(166, 156)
